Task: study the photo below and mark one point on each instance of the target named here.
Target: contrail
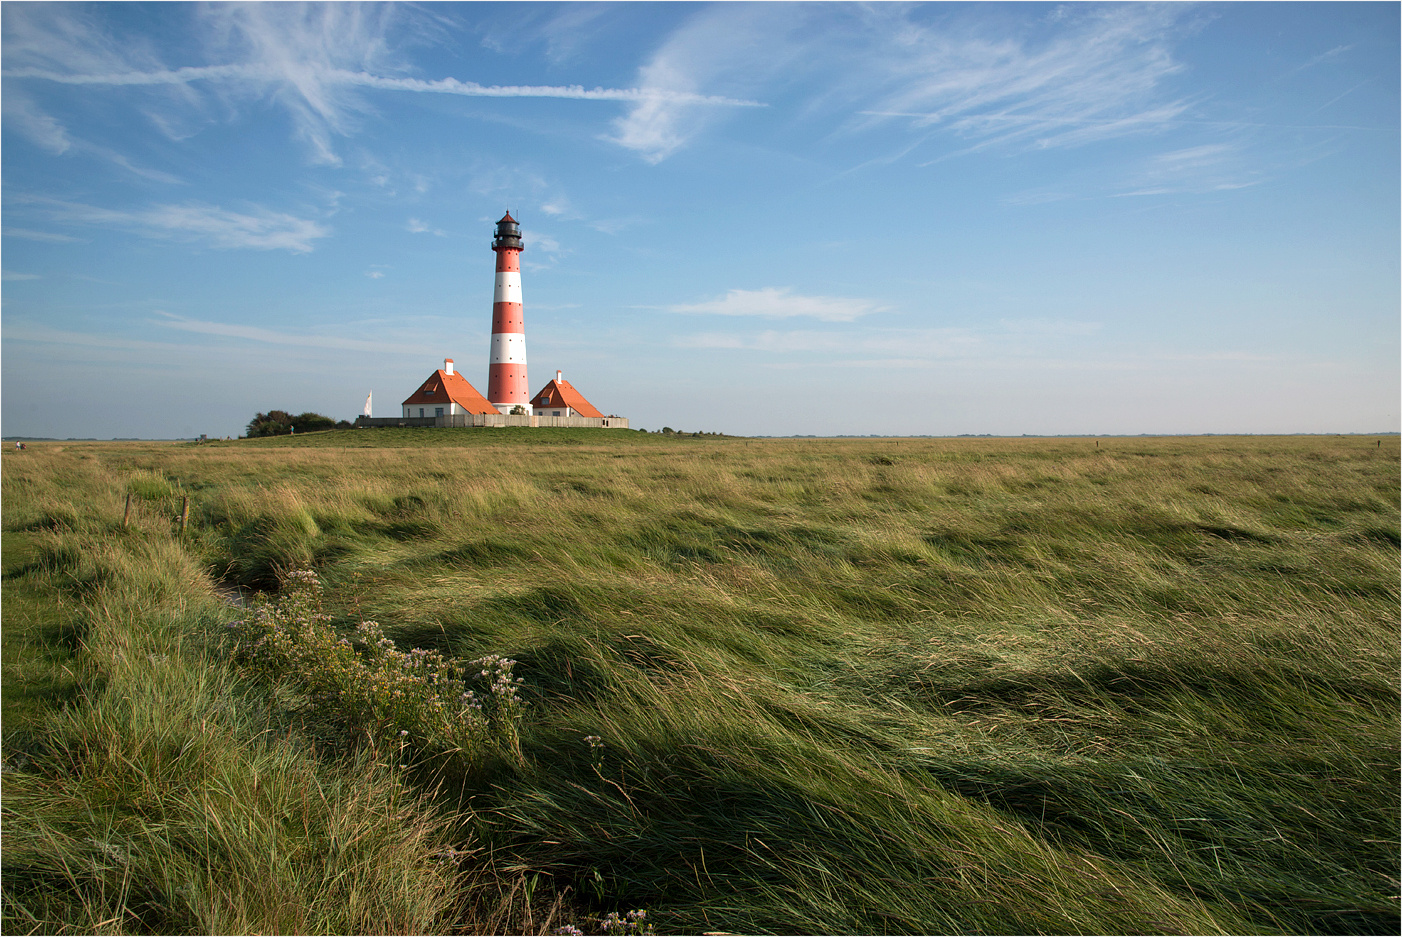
(367, 80)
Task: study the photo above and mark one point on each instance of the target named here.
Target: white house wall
(430, 409)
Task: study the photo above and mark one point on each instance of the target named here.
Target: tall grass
(164, 797)
(831, 686)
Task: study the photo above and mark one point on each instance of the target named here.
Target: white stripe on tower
(506, 366)
(508, 288)
(508, 346)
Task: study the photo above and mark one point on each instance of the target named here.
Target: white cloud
(542, 242)
(774, 303)
(615, 225)
(31, 235)
(1014, 346)
(416, 226)
(22, 115)
(905, 344)
(733, 44)
(43, 334)
(68, 38)
(542, 250)
(1099, 73)
(316, 59)
(44, 131)
(11, 275)
(317, 97)
(1092, 73)
(259, 229)
(272, 337)
(1212, 167)
(1325, 56)
(375, 274)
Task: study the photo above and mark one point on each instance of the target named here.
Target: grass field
(771, 686)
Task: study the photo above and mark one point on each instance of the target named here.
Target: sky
(757, 219)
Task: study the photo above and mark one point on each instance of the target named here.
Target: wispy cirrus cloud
(1008, 344)
(1209, 167)
(343, 77)
(417, 226)
(1081, 75)
(256, 229)
(905, 344)
(774, 303)
(1090, 74)
(46, 335)
(43, 130)
(314, 60)
(274, 337)
(730, 45)
(24, 116)
(30, 234)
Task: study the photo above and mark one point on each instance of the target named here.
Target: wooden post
(184, 513)
(126, 512)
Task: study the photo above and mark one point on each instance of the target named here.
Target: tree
(280, 423)
(272, 423)
(311, 422)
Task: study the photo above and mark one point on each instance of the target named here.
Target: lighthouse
(506, 370)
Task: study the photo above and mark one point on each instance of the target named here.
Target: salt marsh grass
(913, 686)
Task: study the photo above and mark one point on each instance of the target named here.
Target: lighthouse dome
(508, 234)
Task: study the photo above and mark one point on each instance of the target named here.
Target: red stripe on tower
(506, 369)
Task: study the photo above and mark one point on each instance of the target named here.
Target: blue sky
(761, 219)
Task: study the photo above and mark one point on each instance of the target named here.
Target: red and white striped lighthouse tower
(506, 370)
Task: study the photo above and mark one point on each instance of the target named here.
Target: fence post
(184, 513)
(126, 512)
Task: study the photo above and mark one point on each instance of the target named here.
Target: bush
(282, 423)
(419, 700)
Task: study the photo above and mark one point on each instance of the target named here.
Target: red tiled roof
(562, 394)
(442, 387)
(507, 217)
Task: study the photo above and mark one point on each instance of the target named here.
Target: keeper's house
(559, 398)
(446, 393)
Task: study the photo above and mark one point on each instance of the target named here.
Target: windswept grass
(914, 686)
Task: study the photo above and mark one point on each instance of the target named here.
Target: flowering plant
(422, 698)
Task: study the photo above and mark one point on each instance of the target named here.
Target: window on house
(555, 413)
(437, 411)
(421, 411)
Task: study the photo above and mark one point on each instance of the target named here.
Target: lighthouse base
(488, 420)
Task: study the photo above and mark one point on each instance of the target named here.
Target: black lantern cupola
(508, 236)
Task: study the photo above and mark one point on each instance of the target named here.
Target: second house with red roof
(559, 398)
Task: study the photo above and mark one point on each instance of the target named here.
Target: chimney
(558, 375)
(448, 365)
